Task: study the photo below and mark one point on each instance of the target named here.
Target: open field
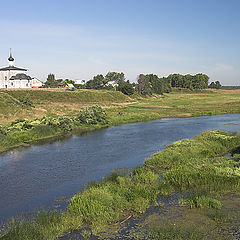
(121, 108)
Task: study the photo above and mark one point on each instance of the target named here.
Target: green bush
(92, 115)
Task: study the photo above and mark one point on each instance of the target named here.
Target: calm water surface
(35, 177)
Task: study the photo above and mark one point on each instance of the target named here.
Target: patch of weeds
(174, 233)
(218, 216)
(194, 201)
(86, 234)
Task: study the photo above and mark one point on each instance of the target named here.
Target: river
(34, 177)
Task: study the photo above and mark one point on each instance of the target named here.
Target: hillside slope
(53, 102)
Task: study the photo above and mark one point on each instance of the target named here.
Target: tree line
(147, 84)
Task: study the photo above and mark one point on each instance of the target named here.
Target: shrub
(92, 115)
(65, 123)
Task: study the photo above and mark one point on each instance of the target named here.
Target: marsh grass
(218, 216)
(173, 232)
(195, 168)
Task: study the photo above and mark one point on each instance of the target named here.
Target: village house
(15, 77)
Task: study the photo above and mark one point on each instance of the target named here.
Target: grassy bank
(23, 131)
(196, 170)
(35, 105)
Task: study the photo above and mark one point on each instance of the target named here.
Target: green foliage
(126, 88)
(101, 82)
(85, 234)
(92, 115)
(143, 85)
(218, 216)
(51, 81)
(51, 77)
(196, 201)
(150, 83)
(46, 226)
(142, 175)
(115, 77)
(198, 81)
(170, 231)
(216, 85)
(98, 82)
(65, 123)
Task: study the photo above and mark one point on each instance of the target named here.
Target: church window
(5, 78)
(12, 83)
(26, 84)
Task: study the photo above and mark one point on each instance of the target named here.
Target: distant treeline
(230, 87)
(198, 81)
(147, 84)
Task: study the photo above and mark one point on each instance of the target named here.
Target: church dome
(10, 59)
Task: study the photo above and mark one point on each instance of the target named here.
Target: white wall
(6, 75)
(20, 83)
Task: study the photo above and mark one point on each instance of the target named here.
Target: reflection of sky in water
(35, 176)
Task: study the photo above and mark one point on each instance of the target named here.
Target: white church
(14, 77)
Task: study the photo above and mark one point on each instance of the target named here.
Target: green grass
(78, 96)
(174, 233)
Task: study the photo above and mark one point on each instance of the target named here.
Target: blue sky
(78, 39)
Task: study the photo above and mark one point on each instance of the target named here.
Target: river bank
(191, 168)
(123, 110)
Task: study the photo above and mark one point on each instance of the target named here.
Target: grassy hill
(52, 103)
(80, 96)
(9, 104)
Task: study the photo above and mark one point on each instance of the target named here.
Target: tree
(98, 82)
(51, 81)
(115, 77)
(218, 85)
(143, 86)
(69, 81)
(125, 88)
(198, 81)
(212, 85)
(51, 77)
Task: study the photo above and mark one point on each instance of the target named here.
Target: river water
(33, 178)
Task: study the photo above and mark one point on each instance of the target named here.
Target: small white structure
(14, 77)
(112, 84)
(70, 86)
(80, 82)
